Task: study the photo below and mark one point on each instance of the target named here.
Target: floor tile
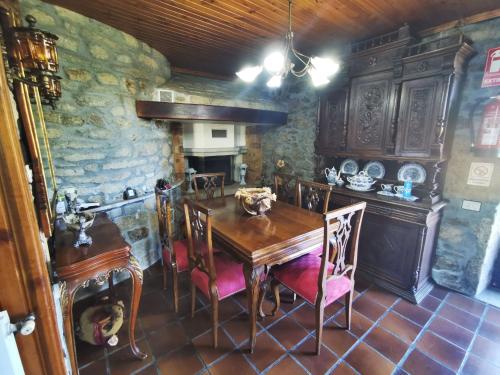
(150, 370)
(123, 336)
(94, 368)
(401, 327)
(367, 361)
(238, 328)
(493, 315)
(200, 323)
(338, 339)
(359, 323)
(167, 338)
(475, 366)
(418, 363)
(439, 349)
(86, 353)
(381, 296)
(268, 307)
(266, 352)
(368, 307)
(430, 303)
(490, 331)
(228, 308)
(204, 346)
(459, 317)
(333, 309)
(230, 363)
(344, 369)
(451, 332)
(287, 366)
(487, 349)
(181, 362)
(124, 362)
(288, 332)
(154, 312)
(305, 316)
(315, 364)
(439, 292)
(413, 312)
(472, 306)
(387, 344)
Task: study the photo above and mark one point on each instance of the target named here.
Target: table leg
(136, 272)
(68, 291)
(252, 279)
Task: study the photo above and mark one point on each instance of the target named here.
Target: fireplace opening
(213, 164)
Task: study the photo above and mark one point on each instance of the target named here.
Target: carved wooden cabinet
(395, 104)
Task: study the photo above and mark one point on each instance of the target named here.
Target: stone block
(83, 156)
(122, 164)
(98, 52)
(69, 172)
(107, 79)
(80, 75)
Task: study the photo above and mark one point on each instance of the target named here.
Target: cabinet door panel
(418, 116)
(369, 113)
(332, 130)
(387, 249)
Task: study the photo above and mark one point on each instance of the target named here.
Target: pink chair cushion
(301, 276)
(181, 255)
(317, 251)
(229, 277)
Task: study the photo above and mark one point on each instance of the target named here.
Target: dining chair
(319, 281)
(313, 196)
(210, 183)
(215, 274)
(284, 186)
(174, 252)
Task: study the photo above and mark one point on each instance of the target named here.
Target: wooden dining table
(260, 242)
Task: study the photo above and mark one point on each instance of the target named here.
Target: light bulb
(318, 78)
(275, 81)
(324, 65)
(274, 62)
(248, 74)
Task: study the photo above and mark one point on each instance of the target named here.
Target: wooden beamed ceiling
(219, 36)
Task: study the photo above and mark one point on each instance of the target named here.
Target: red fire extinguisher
(486, 138)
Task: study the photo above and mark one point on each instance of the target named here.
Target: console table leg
(136, 272)
(67, 296)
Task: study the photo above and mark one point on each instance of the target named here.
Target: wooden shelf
(400, 159)
(201, 112)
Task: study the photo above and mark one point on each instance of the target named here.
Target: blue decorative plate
(375, 169)
(349, 166)
(415, 172)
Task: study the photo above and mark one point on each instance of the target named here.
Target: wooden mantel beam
(201, 112)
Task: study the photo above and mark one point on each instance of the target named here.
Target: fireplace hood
(203, 139)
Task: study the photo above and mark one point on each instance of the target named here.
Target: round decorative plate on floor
(349, 166)
(350, 187)
(375, 169)
(414, 171)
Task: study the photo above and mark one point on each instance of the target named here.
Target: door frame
(24, 278)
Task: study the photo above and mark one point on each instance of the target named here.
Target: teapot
(331, 175)
(361, 180)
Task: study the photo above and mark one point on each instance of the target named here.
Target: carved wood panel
(419, 112)
(332, 134)
(369, 113)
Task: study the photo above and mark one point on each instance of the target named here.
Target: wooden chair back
(164, 211)
(310, 195)
(199, 235)
(345, 239)
(284, 186)
(209, 182)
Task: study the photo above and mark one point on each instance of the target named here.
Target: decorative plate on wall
(349, 166)
(375, 169)
(415, 172)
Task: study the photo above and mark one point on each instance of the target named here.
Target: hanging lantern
(34, 49)
(50, 88)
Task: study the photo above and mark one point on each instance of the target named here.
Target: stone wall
(461, 255)
(98, 143)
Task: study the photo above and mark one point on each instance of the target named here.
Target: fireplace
(208, 164)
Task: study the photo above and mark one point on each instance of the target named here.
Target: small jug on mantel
(331, 175)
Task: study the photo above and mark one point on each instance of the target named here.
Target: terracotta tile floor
(447, 333)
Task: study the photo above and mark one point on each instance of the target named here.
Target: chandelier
(288, 60)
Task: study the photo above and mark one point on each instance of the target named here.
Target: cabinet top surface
(107, 242)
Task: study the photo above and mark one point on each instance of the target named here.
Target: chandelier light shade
(290, 61)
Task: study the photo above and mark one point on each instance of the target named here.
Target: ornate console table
(77, 267)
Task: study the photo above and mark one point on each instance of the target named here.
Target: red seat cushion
(301, 276)
(229, 277)
(181, 255)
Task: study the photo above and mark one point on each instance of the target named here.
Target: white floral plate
(349, 166)
(375, 169)
(350, 187)
(415, 172)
